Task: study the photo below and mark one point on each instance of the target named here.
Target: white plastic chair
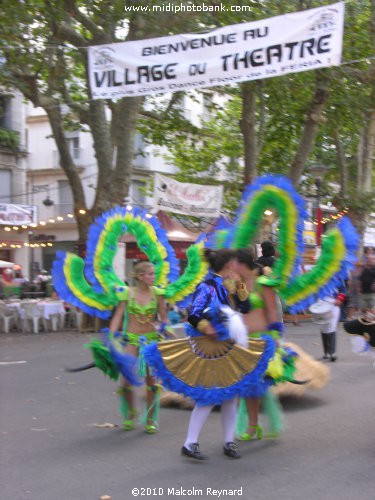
(32, 313)
(8, 316)
(57, 321)
(70, 319)
(73, 318)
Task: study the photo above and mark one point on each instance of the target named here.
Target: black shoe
(193, 452)
(230, 450)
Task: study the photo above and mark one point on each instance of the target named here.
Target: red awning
(175, 230)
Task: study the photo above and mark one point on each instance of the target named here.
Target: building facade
(15, 215)
(31, 175)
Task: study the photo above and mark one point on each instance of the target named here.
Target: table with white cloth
(53, 313)
(49, 309)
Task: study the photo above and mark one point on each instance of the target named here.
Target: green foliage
(9, 139)
(282, 106)
(360, 206)
(43, 51)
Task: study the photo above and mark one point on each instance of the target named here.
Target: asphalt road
(53, 445)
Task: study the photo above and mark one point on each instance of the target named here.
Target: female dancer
(265, 317)
(206, 368)
(137, 312)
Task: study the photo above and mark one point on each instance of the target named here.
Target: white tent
(4, 264)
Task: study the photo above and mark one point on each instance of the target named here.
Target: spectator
(42, 279)
(328, 329)
(354, 289)
(367, 251)
(267, 258)
(367, 285)
(19, 279)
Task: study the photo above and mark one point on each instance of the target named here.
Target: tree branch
(341, 163)
(66, 33)
(99, 36)
(75, 106)
(313, 119)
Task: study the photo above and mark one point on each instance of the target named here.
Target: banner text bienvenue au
(277, 46)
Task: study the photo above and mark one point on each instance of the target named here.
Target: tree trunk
(247, 125)
(341, 163)
(124, 130)
(103, 145)
(368, 151)
(70, 169)
(314, 118)
(366, 146)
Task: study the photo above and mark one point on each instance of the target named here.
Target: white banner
(277, 46)
(17, 215)
(185, 198)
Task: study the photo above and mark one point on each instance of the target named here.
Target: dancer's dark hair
(217, 259)
(247, 256)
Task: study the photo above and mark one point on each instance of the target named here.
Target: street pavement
(55, 445)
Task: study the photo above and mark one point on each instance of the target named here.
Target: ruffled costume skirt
(110, 358)
(282, 367)
(210, 371)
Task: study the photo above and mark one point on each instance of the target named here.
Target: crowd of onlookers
(361, 286)
(14, 284)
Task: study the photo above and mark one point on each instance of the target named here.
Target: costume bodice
(256, 301)
(255, 297)
(135, 308)
(143, 313)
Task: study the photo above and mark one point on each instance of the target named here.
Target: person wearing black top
(367, 285)
(267, 258)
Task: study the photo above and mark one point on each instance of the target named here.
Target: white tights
(200, 414)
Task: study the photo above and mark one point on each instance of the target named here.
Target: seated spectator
(42, 280)
(18, 279)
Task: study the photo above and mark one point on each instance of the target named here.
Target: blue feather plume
(351, 241)
(126, 363)
(66, 294)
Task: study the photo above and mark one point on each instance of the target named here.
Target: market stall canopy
(4, 264)
(175, 230)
